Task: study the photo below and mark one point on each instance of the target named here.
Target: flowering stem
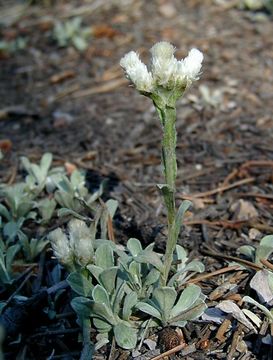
(168, 118)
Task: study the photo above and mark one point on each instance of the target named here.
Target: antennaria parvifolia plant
(164, 85)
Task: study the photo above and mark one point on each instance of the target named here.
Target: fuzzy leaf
(107, 278)
(134, 246)
(80, 283)
(102, 326)
(104, 256)
(179, 216)
(265, 248)
(187, 298)
(129, 302)
(100, 295)
(150, 257)
(164, 298)
(148, 309)
(125, 335)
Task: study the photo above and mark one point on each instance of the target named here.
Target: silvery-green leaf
(192, 313)
(150, 257)
(69, 212)
(134, 270)
(184, 206)
(125, 336)
(129, 302)
(118, 296)
(164, 298)
(102, 339)
(265, 248)
(267, 313)
(102, 325)
(95, 271)
(134, 246)
(79, 43)
(179, 323)
(253, 317)
(248, 251)
(148, 309)
(10, 255)
(4, 212)
(107, 278)
(82, 306)
(11, 230)
(180, 255)
(46, 163)
(46, 208)
(79, 283)
(151, 277)
(104, 256)
(187, 298)
(104, 312)
(100, 295)
(193, 266)
(112, 206)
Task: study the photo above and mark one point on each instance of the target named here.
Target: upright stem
(168, 118)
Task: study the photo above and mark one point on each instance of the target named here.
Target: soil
(78, 106)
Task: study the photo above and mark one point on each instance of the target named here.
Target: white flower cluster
(76, 247)
(166, 70)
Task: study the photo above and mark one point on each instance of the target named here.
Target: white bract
(60, 246)
(166, 71)
(137, 72)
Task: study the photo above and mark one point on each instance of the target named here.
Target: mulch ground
(79, 107)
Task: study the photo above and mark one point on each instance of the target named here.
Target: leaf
(134, 246)
(184, 206)
(151, 277)
(148, 309)
(267, 313)
(150, 257)
(248, 251)
(80, 283)
(265, 248)
(100, 295)
(4, 212)
(125, 335)
(129, 302)
(253, 317)
(164, 298)
(68, 212)
(82, 306)
(193, 313)
(104, 257)
(103, 326)
(112, 206)
(107, 278)
(95, 271)
(187, 298)
(46, 163)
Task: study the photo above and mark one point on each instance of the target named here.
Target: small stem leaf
(179, 216)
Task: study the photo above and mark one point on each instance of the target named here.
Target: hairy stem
(168, 118)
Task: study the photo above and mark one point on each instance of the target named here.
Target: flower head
(167, 72)
(163, 63)
(137, 72)
(60, 246)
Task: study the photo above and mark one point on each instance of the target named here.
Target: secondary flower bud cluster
(74, 248)
(166, 71)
